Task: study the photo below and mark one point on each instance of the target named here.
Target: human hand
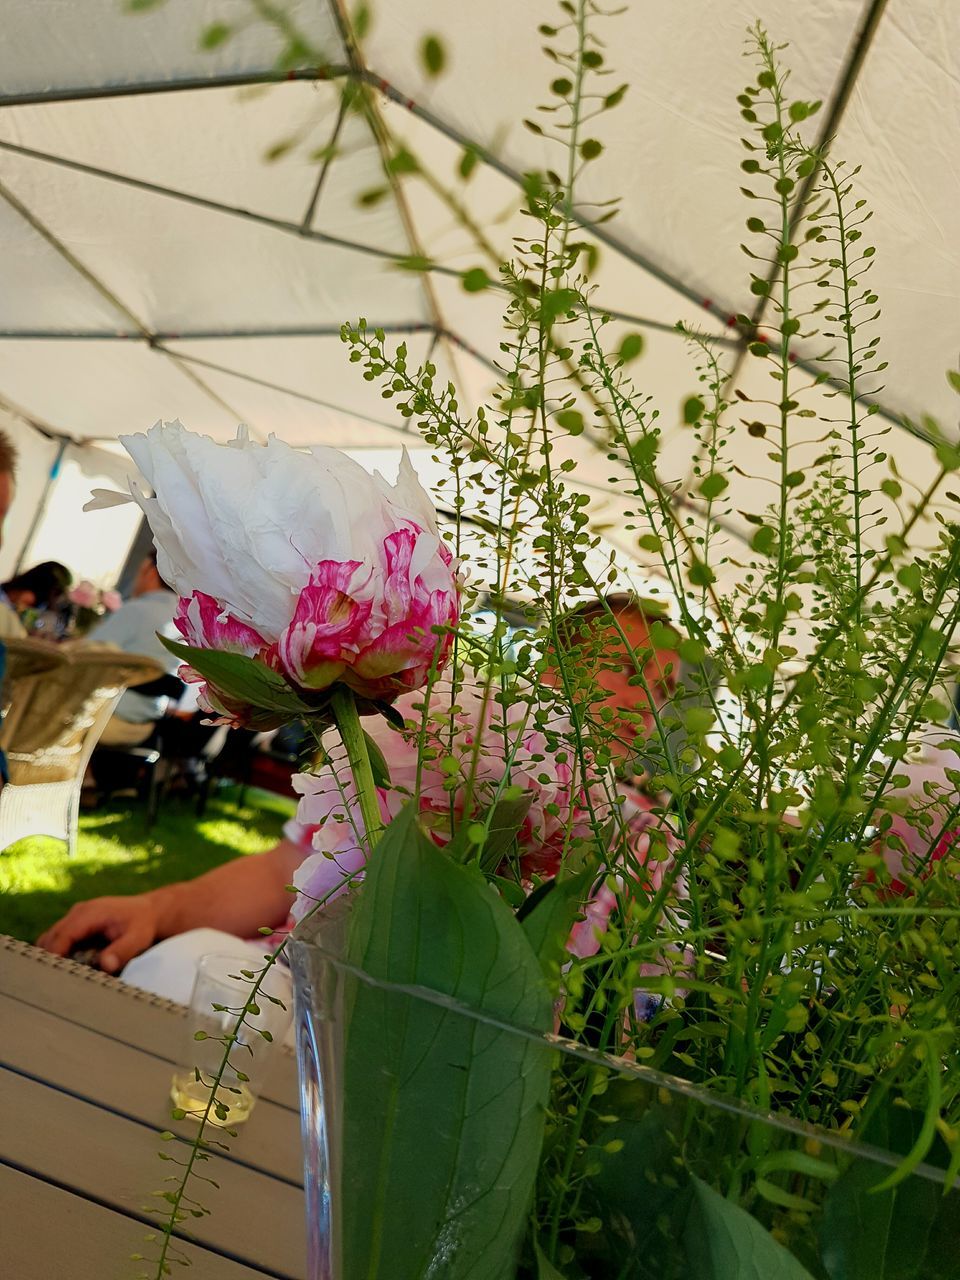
(130, 925)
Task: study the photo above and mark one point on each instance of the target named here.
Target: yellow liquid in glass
(192, 1096)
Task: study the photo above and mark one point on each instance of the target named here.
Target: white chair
(54, 721)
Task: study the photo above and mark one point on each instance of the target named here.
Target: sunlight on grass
(116, 854)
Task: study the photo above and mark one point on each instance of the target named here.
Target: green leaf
(468, 162)
(700, 574)
(571, 420)
(433, 55)
(361, 21)
(693, 408)
(692, 651)
(590, 148)
(724, 1242)
(476, 280)
(545, 1268)
(641, 1188)
(556, 302)
(953, 377)
(279, 149)
(378, 762)
(631, 347)
(215, 35)
(713, 485)
(548, 916)
(413, 1068)
(909, 1232)
(513, 894)
(402, 161)
(763, 540)
(501, 823)
(242, 678)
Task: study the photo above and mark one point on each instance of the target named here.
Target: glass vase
(318, 986)
(422, 1121)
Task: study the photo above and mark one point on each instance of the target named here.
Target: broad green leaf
(640, 1189)
(500, 822)
(503, 822)
(442, 1114)
(241, 678)
(549, 917)
(724, 1242)
(378, 763)
(545, 1268)
(909, 1232)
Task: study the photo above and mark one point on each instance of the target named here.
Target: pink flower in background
(928, 829)
(111, 600)
(84, 595)
(328, 817)
(651, 844)
(301, 560)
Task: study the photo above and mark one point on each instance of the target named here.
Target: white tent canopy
(154, 262)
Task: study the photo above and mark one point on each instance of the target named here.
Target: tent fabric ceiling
(154, 262)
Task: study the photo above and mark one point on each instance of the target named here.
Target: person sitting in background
(176, 924)
(133, 628)
(39, 596)
(11, 628)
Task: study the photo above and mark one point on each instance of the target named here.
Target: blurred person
(39, 597)
(42, 587)
(156, 937)
(920, 816)
(133, 628)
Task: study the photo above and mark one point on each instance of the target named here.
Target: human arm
(239, 897)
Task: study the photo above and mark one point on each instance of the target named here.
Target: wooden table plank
(114, 1009)
(105, 1157)
(48, 1234)
(135, 1084)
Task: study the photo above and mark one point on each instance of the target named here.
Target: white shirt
(133, 628)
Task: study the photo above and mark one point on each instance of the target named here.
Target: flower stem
(344, 707)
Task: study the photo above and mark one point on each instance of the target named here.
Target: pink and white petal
(205, 625)
(328, 625)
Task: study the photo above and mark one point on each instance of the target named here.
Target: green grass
(117, 854)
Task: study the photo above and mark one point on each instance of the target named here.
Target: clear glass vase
(422, 1120)
(695, 1183)
(318, 986)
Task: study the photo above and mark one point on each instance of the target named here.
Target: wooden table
(85, 1066)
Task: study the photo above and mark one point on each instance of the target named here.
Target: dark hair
(8, 455)
(46, 581)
